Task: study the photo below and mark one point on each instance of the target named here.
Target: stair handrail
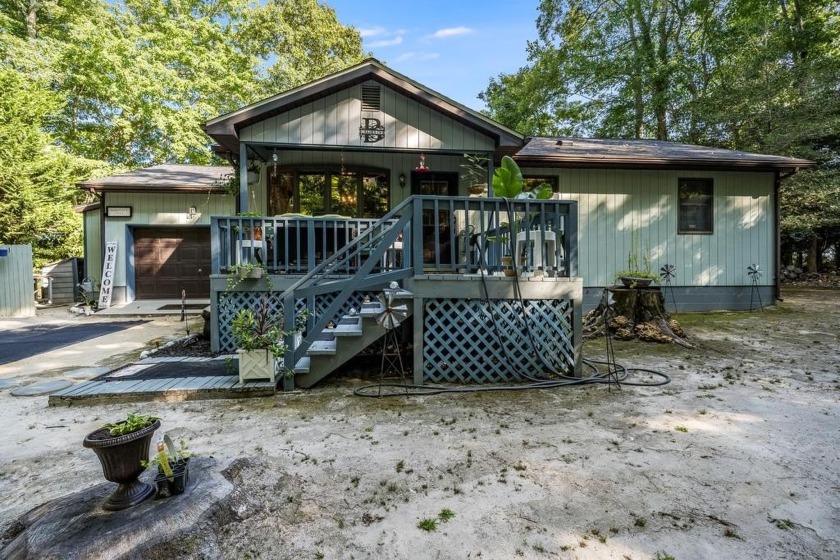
(381, 235)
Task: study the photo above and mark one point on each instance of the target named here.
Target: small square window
(695, 206)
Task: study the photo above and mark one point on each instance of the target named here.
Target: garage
(168, 260)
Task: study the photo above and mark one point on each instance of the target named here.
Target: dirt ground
(736, 458)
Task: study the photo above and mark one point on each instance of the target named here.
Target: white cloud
(419, 56)
(385, 43)
(450, 32)
(370, 31)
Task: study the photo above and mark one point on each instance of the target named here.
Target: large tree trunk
(636, 313)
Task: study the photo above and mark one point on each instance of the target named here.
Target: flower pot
(121, 458)
(507, 266)
(256, 364)
(634, 282)
(177, 483)
(477, 189)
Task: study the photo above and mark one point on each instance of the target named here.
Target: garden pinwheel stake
(393, 313)
(666, 273)
(754, 272)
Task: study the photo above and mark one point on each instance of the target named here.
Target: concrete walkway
(111, 350)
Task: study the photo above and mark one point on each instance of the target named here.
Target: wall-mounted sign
(371, 130)
(106, 287)
(118, 211)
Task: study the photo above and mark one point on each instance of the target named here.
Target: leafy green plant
(446, 514)
(475, 169)
(132, 423)
(427, 524)
(168, 455)
(637, 266)
(262, 330)
(508, 182)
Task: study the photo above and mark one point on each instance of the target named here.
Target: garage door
(168, 260)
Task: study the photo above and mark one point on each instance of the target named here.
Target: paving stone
(41, 388)
(9, 382)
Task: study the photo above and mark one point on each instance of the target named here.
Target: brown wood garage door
(168, 260)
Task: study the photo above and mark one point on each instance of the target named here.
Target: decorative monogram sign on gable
(371, 130)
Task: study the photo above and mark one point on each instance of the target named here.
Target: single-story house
(336, 155)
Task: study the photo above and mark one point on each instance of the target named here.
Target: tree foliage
(37, 177)
(754, 75)
(99, 86)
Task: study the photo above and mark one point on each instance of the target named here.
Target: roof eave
(225, 129)
(659, 163)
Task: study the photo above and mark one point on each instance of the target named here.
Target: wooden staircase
(335, 346)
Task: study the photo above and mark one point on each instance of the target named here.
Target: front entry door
(438, 226)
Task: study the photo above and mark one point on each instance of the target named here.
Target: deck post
(417, 318)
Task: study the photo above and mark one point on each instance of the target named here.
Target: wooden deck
(163, 389)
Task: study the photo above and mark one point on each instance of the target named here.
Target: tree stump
(636, 313)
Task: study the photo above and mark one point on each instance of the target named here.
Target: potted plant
(173, 466)
(260, 341)
(475, 173)
(636, 275)
(508, 183)
(122, 448)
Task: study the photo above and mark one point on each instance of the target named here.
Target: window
(353, 193)
(532, 181)
(695, 206)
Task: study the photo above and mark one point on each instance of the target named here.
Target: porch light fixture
(192, 212)
(274, 160)
(402, 180)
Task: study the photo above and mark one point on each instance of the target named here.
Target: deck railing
(421, 235)
(443, 235)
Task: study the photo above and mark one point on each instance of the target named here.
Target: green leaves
(507, 179)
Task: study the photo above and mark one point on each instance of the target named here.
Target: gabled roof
(225, 129)
(646, 154)
(163, 178)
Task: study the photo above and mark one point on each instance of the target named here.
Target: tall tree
(37, 177)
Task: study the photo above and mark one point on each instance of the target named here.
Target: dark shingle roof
(591, 152)
(163, 178)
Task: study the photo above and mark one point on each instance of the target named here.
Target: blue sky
(453, 47)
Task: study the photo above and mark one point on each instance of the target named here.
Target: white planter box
(256, 364)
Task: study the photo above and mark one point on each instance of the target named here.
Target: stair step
(354, 329)
(371, 309)
(302, 366)
(322, 348)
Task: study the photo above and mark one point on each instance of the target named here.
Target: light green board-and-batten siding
(614, 203)
(149, 210)
(93, 238)
(334, 120)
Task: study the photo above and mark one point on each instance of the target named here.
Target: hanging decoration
(275, 159)
(422, 166)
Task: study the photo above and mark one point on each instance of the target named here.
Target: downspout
(102, 210)
(777, 236)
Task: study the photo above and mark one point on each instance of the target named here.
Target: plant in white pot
(260, 341)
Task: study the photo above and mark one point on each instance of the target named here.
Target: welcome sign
(106, 288)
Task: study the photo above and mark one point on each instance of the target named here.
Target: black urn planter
(121, 458)
(635, 282)
(177, 483)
